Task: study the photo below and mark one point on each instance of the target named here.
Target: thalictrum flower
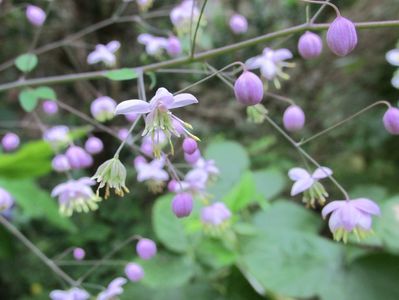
(158, 114)
(60, 163)
(154, 45)
(350, 216)
(146, 248)
(114, 289)
(76, 195)
(111, 174)
(94, 145)
(144, 5)
(309, 184)
(238, 24)
(50, 107)
(102, 108)
(153, 173)
(57, 135)
(72, 294)
(215, 216)
(271, 63)
(35, 15)
(104, 53)
(10, 141)
(6, 200)
(183, 14)
(79, 253)
(134, 272)
(392, 57)
(78, 158)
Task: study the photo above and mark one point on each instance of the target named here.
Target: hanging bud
(342, 36)
(391, 120)
(50, 107)
(35, 15)
(94, 145)
(78, 158)
(192, 158)
(134, 272)
(248, 89)
(310, 45)
(173, 46)
(79, 253)
(146, 249)
(189, 145)
(182, 205)
(294, 118)
(10, 141)
(238, 24)
(60, 163)
(102, 108)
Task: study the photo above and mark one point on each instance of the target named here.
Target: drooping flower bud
(174, 47)
(342, 36)
(6, 200)
(293, 118)
(134, 272)
(182, 205)
(123, 134)
(173, 186)
(189, 145)
(10, 141)
(94, 145)
(310, 45)
(35, 15)
(248, 89)
(50, 107)
(102, 108)
(238, 24)
(192, 158)
(60, 163)
(78, 158)
(391, 120)
(79, 253)
(146, 249)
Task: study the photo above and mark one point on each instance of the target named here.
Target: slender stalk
(197, 27)
(324, 3)
(316, 15)
(280, 98)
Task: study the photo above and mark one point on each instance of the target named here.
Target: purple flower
(76, 195)
(189, 146)
(78, 158)
(310, 45)
(215, 214)
(57, 135)
(102, 108)
(104, 53)
(293, 118)
(392, 57)
(50, 107)
(94, 145)
(194, 182)
(182, 205)
(114, 289)
(153, 173)
(238, 24)
(271, 64)
(192, 158)
(174, 47)
(183, 14)
(134, 272)
(131, 117)
(35, 15)
(79, 253)
(60, 163)
(6, 200)
(391, 120)
(146, 249)
(208, 166)
(10, 141)
(72, 294)
(342, 36)
(350, 216)
(154, 45)
(144, 5)
(248, 89)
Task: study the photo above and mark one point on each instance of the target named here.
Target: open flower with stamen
(309, 185)
(271, 63)
(57, 135)
(158, 114)
(350, 216)
(76, 195)
(208, 166)
(194, 182)
(154, 45)
(215, 217)
(111, 174)
(153, 173)
(114, 289)
(183, 14)
(71, 294)
(104, 54)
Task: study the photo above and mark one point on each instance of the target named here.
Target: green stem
(197, 27)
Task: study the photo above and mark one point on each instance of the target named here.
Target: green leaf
(36, 203)
(45, 93)
(168, 228)
(26, 62)
(269, 182)
(213, 253)
(121, 74)
(387, 225)
(28, 99)
(243, 194)
(153, 79)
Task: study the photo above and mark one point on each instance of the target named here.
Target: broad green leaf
(269, 182)
(28, 99)
(213, 253)
(36, 203)
(26, 62)
(167, 227)
(121, 74)
(387, 225)
(243, 194)
(45, 93)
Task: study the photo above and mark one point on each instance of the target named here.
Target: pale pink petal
(282, 54)
(301, 186)
(364, 221)
(182, 100)
(268, 69)
(298, 174)
(144, 38)
(366, 205)
(349, 216)
(162, 95)
(332, 206)
(94, 57)
(113, 46)
(322, 172)
(132, 106)
(254, 62)
(335, 221)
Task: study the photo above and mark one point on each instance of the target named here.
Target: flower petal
(144, 38)
(298, 174)
(113, 46)
(254, 62)
(364, 221)
(129, 106)
(94, 57)
(392, 57)
(366, 205)
(301, 186)
(321, 173)
(282, 54)
(349, 216)
(268, 69)
(335, 221)
(183, 100)
(330, 207)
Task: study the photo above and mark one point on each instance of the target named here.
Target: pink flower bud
(310, 45)
(294, 118)
(79, 253)
(60, 163)
(102, 108)
(35, 15)
(123, 134)
(50, 107)
(134, 272)
(342, 36)
(238, 24)
(248, 88)
(78, 158)
(94, 145)
(391, 120)
(192, 158)
(146, 248)
(138, 161)
(174, 46)
(182, 205)
(189, 145)
(172, 186)
(10, 141)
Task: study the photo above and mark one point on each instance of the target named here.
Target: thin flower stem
(280, 98)
(220, 76)
(316, 15)
(108, 263)
(382, 102)
(324, 3)
(197, 27)
(197, 57)
(47, 261)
